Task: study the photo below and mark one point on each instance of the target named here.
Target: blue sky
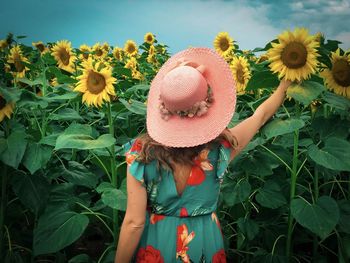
(179, 24)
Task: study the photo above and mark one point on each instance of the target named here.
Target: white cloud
(345, 38)
(198, 22)
(329, 17)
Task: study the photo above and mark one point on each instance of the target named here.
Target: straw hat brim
(188, 132)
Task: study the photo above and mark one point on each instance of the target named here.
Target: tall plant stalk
(114, 178)
(3, 200)
(293, 182)
(3, 209)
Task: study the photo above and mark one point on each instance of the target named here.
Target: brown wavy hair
(167, 156)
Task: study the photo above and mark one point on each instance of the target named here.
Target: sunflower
(63, 53)
(96, 83)
(131, 64)
(16, 58)
(130, 48)
(118, 53)
(151, 58)
(41, 47)
(241, 73)
(3, 44)
(223, 43)
(163, 50)
(137, 75)
(106, 47)
(262, 58)
(54, 82)
(338, 78)
(6, 109)
(85, 49)
(319, 37)
(151, 51)
(149, 38)
(99, 51)
(295, 56)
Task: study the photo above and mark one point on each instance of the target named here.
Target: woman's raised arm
(246, 130)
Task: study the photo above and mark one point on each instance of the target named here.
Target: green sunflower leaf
(134, 106)
(306, 92)
(36, 156)
(78, 174)
(114, 198)
(280, 127)
(320, 218)
(12, 148)
(56, 229)
(32, 190)
(271, 195)
(334, 155)
(83, 142)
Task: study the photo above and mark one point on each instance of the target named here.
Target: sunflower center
(224, 44)
(18, 64)
(131, 49)
(41, 47)
(85, 55)
(96, 82)
(341, 72)
(149, 38)
(64, 56)
(99, 52)
(294, 55)
(2, 103)
(240, 75)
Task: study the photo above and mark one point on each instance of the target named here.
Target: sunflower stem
(113, 169)
(294, 174)
(3, 209)
(316, 194)
(3, 198)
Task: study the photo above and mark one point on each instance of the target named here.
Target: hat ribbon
(184, 62)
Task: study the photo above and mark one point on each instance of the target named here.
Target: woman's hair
(166, 156)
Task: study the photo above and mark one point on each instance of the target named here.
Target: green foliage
(307, 92)
(64, 173)
(56, 229)
(12, 148)
(320, 218)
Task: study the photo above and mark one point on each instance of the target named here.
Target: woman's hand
(245, 131)
(284, 84)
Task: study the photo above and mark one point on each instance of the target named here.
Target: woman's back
(191, 102)
(177, 223)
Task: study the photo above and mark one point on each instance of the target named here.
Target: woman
(176, 168)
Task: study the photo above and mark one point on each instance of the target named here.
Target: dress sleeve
(132, 150)
(225, 150)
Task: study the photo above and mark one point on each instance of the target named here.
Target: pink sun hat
(192, 98)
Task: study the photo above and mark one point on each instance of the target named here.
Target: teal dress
(181, 228)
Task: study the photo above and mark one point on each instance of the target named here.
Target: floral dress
(181, 228)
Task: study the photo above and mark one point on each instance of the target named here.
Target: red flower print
(136, 146)
(130, 157)
(183, 238)
(154, 218)
(201, 164)
(215, 218)
(183, 212)
(225, 143)
(219, 257)
(149, 255)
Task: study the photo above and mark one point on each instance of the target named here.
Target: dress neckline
(179, 195)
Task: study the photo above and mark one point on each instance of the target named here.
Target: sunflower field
(65, 113)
